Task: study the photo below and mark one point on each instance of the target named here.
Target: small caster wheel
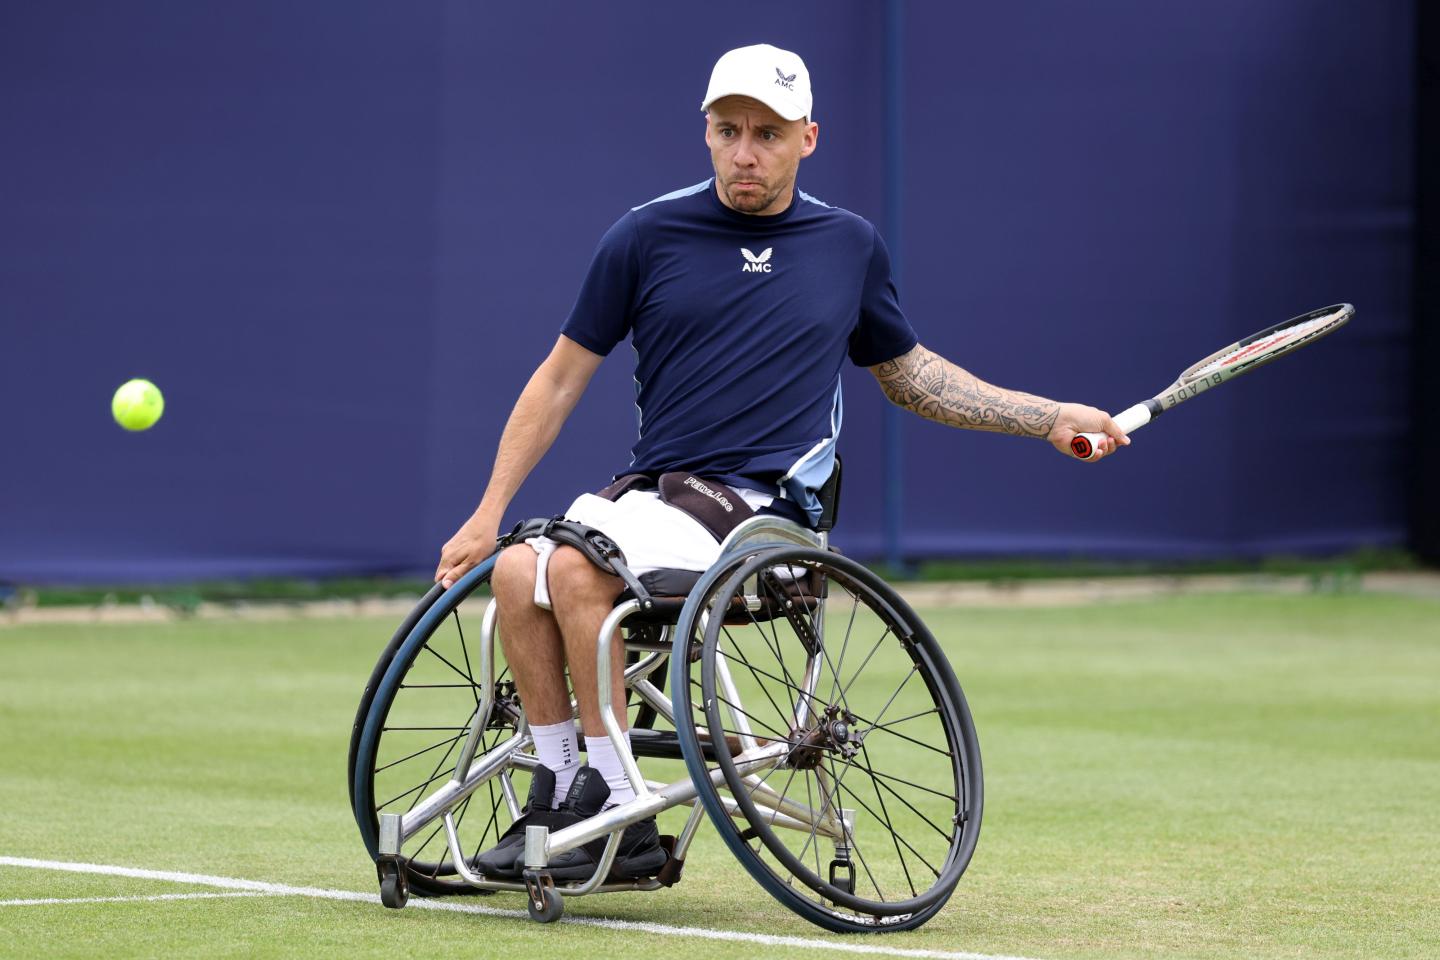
(541, 898)
(554, 906)
(394, 889)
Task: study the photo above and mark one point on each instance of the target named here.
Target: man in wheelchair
(742, 296)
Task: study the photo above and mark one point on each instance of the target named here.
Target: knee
(514, 574)
(573, 575)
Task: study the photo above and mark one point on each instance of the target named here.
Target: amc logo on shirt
(754, 264)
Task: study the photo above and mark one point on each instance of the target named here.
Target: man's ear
(810, 141)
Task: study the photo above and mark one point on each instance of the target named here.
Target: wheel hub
(835, 733)
(842, 734)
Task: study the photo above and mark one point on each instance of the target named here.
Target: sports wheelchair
(822, 731)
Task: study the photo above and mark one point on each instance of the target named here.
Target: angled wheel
(545, 904)
(843, 769)
(412, 723)
(394, 888)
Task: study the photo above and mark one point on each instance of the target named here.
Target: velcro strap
(623, 485)
(714, 505)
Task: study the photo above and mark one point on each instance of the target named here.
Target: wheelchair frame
(753, 539)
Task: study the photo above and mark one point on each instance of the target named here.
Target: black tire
(887, 734)
(411, 725)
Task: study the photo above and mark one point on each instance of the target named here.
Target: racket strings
(1269, 347)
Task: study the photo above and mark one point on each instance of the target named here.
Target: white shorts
(652, 534)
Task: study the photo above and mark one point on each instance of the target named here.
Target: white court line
(662, 929)
(150, 899)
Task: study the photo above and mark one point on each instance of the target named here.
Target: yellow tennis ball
(137, 405)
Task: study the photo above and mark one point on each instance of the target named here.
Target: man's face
(756, 154)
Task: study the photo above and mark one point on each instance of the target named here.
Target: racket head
(1270, 344)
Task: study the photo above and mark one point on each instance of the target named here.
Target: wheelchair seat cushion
(667, 582)
(669, 589)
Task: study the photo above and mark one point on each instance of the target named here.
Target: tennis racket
(1243, 356)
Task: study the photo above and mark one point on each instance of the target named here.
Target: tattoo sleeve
(928, 384)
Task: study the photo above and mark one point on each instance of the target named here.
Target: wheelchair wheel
(411, 726)
(828, 738)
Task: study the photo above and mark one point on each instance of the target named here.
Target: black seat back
(829, 496)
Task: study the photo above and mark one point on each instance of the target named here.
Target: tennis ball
(137, 405)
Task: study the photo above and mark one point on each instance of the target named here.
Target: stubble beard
(753, 202)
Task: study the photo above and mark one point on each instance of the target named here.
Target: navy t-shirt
(740, 325)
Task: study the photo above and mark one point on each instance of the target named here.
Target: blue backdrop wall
(341, 235)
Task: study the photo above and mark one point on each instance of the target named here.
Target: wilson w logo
(754, 264)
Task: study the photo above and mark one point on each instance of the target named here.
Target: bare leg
(531, 638)
(583, 597)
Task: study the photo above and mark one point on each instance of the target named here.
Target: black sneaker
(504, 861)
(639, 855)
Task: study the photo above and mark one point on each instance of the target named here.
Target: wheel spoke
(873, 774)
(776, 739)
(437, 686)
(810, 840)
(914, 716)
(458, 672)
(799, 691)
(493, 824)
(735, 645)
(834, 668)
(885, 728)
(761, 782)
(433, 746)
(895, 838)
(435, 774)
(909, 783)
(855, 848)
(783, 791)
(469, 672)
(774, 647)
(844, 646)
(856, 675)
(881, 713)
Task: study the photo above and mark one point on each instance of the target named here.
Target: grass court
(1188, 777)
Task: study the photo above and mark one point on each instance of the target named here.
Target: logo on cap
(785, 81)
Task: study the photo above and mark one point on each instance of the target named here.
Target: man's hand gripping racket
(1241, 357)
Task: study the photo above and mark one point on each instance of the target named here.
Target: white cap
(775, 77)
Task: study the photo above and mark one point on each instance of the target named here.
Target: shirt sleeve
(883, 333)
(602, 313)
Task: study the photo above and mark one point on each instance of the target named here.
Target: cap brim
(786, 111)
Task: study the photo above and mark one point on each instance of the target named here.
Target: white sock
(604, 759)
(558, 748)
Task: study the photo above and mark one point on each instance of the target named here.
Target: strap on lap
(597, 548)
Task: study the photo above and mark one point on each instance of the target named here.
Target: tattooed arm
(928, 384)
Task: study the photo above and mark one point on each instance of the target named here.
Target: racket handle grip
(1086, 446)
